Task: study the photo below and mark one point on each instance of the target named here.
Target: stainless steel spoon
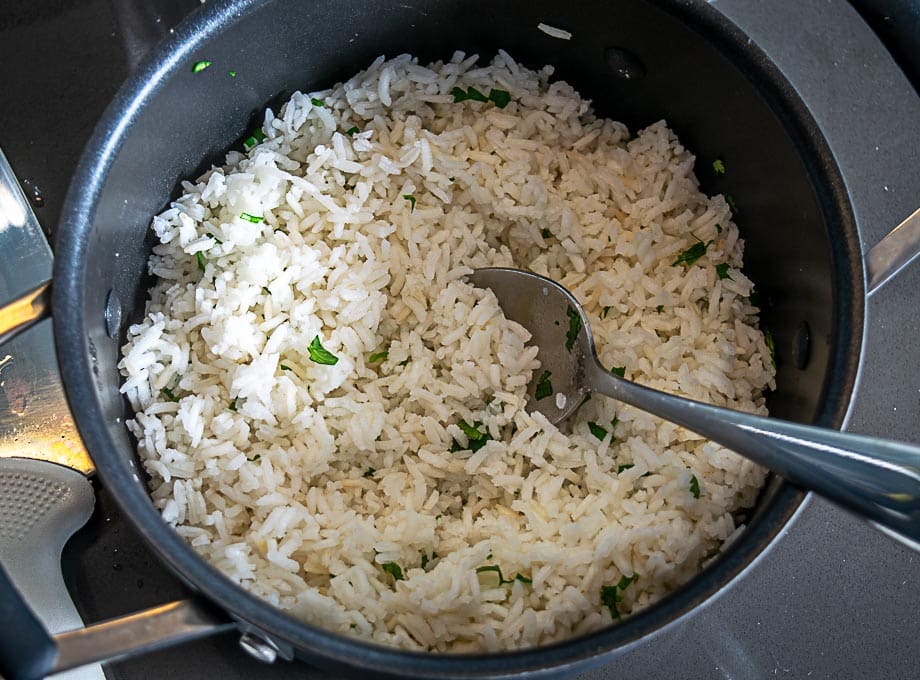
(876, 478)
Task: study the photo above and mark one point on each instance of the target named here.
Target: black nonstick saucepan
(640, 61)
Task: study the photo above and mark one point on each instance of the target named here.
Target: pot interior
(640, 61)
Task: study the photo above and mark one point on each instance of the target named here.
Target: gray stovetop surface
(832, 599)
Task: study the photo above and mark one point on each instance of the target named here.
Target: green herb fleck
(718, 166)
(403, 362)
(692, 254)
(545, 233)
(352, 130)
(232, 405)
(411, 199)
(377, 357)
(256, 137)
(255, 459)
(255, 219)
(233, 74)
(285, 368)
(475, 438)
(605, 312)
(168, 393)
(659, 309)
(266, 290)
(200, 66)
(426, 559)
(320, 354)
(619, 370)
(501, 98)
(695, 486)
(609, 598)
(624, 467)
(492, 567)
(626, 581)
(200, 258)
(317, 102)
(722, 270)
(451, 179)
(437, 517)
(369, 472)
(571, 335)
(597, 430)
(471, 93)
(544, 386)
(393, 570)
(731, 203)
(522, 578)
(718, 228)
(771, 345)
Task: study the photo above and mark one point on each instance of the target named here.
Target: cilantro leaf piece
(771, 345)
(393, 570)
(722, 270)
(571, 335)
(475, 95)
(619, 370)
(317, 102)
(695, 486)
(285, 368)
(522, 578)
(411, 199)
(609, 598)
(352, 130)
(544, 386)
(169, 394)
(232, 404)
(369, 472)
(626, 581)
(501, 98)
(624, 467)
(255, 459)
(605, 312)
(692, 254)
(320, 354)
(200, 258)
(377, 357)
(475, 438)
(200, 66)
(597, 430)
(718, 166)
(255, 219)
(545, 233)
(659, 309)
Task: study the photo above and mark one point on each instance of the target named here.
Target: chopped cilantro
(255, 459)
(255, 219)
(369, 472)
(522, 578)
(659, 309)
(501, 98)
(475, 438)
(609, 598)
(722, 270)
(619, 370)
(605, 312)
(626, 581)
(411, 199)
(232, 405)
(352, 130)
(492, 567)
(168, 393)
(393, 570)
(285, 368)
(718, 228)
(200, 258)
(695, 486)
(771, 345)
(597, 430)
(233, 74)
(571, 335)
(691, 254)
(320, 354)
(544, 386)
(624, 467)
(377, 357)
(451, 179)
(545, 233)
(718, 166)
(317, 102)
(403, 362)
(200, 66)
(471, 93)
(426, 559)
(731, 203)
(253, 139)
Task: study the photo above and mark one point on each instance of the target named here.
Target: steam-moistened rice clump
(335, 418)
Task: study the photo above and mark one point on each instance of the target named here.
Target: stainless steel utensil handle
(894, 252)
(878, 479)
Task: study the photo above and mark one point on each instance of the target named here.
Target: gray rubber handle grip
(41, 506)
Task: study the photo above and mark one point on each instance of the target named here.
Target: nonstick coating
(718, 92)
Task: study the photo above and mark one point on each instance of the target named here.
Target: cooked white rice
(301, 480)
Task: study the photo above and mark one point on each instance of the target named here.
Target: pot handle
(32, 653)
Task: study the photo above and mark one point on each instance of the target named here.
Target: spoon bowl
(876, 478)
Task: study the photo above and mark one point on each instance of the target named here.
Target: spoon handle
(877, 478)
